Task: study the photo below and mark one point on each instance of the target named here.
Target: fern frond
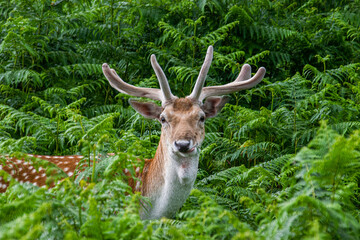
(256, 58)
(270, 32)
(218, 34)
(23, 76)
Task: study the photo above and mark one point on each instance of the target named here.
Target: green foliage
(280, 162)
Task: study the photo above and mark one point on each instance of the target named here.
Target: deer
(168, 178)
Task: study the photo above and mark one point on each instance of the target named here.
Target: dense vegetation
(282, 161)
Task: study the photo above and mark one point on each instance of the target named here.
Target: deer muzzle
(184, 146)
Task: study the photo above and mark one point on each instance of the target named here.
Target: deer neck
(167, 181)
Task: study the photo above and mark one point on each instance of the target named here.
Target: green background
(281, 161)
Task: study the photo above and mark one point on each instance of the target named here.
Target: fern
(269, 167)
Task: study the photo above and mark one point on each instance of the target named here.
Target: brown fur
(152, 174)
(183, 104)
(23, 170)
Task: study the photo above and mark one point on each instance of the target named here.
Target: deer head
(183, 119)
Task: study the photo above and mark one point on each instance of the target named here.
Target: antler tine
(240, 83)
(195, 94)
(244, 74)
(163, 82)
(123, 87)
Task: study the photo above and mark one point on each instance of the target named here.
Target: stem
(334, 184)
(112, 18)
(16, 57)
(80, 218)
(40, 22)
(295, 129)
(313, 190)
(57, 134)
(142, 128)
(272, 100)
(150, 133)
(194, 46)
(23, 60)
(82, 127)
(193, 56)
(89, 155)
(93, 166)
(107, 94)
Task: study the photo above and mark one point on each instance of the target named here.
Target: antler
(195, 94)
(163, 94)
(243, 81)
(199, 93)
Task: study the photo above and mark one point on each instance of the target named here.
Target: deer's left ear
(213, 105)
(147, 109)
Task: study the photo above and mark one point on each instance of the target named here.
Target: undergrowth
(280, 162)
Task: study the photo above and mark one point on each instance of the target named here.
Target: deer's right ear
(213, 105)
(147, 109)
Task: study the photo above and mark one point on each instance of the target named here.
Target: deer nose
(182, 145)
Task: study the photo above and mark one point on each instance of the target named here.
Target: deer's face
(183, 126)
(183, 121)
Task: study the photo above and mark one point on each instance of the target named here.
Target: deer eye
(162, 119)
(202, 119)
